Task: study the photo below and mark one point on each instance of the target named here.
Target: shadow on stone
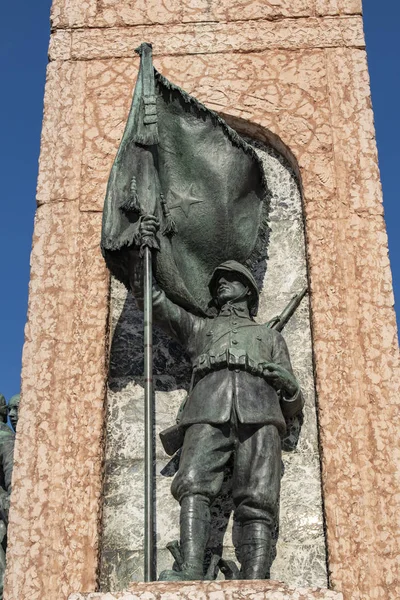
(171, 365)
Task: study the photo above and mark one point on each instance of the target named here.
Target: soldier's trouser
(256, 471)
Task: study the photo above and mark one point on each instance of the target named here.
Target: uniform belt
(231, 358)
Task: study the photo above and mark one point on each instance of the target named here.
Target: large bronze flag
(182, 162)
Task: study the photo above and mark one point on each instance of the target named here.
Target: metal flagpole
(149, 556)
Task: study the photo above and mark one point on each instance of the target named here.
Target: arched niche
(300, 550)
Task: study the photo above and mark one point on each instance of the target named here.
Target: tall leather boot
(255, 550)
(195, 531)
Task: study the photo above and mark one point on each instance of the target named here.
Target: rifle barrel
(280, 322)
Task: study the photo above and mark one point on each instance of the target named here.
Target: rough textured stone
(356, 350)
(110, 13)
(301, 553)
(69, 13)
(62, 133)
(226, 590)
(359, 187)
(58, 455)
(338, 7)
(240, 10)
(205, 38)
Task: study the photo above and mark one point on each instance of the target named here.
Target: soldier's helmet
(14, 401)
(232, 266)
(3, 409)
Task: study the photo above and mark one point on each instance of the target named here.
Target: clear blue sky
(23, 55)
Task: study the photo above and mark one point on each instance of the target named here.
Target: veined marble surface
(300, 550)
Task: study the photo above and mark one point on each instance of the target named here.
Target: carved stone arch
(264, 135)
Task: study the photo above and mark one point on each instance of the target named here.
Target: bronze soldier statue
(7, 438)
(7, 441)
(13, 409)
(242, 389)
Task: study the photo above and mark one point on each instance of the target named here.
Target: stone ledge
(109, 13)
(214, 590)
(205, 38)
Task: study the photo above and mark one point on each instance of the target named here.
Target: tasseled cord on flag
(170, 225)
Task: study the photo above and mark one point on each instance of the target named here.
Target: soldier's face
(13, 414)
(230, 288)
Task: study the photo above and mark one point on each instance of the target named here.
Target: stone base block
(214, 590)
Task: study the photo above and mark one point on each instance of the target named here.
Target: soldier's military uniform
(232, 408)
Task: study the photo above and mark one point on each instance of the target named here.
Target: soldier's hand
(149, 225)
(281, 379)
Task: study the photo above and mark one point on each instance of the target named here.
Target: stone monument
(291, 78)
